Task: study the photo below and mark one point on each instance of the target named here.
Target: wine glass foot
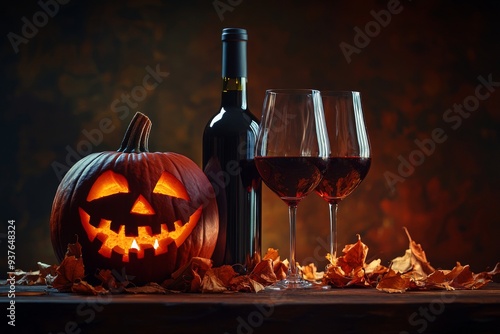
(291, 282)
(286, 285)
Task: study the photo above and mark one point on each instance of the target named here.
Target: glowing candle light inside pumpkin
(156, 244)
(135, 245)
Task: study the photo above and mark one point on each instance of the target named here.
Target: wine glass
(290, 155)
(349, 159)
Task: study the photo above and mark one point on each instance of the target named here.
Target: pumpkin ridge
(185, 161)
(190, 176)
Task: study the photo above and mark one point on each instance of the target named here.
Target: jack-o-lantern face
(145, 213)
(137, 227)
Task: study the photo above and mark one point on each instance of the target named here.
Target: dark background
(67, 77)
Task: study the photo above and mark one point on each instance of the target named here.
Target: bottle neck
(234, 92)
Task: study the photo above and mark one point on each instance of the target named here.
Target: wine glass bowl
(350, 154)
(290, 155)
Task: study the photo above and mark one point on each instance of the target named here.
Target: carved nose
(142, 207)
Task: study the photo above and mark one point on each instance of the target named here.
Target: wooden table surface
(352, 310)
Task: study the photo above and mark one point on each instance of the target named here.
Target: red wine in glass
(350, 157)
(342, 176)
(291, 178)
(290, 155)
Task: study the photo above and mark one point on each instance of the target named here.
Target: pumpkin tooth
(134, 244)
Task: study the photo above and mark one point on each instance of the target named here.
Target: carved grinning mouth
(135, 246)
(114, 238)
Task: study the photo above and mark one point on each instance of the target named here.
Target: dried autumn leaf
(199, 268)
(358, 278)
(418, 259)
(494, 271)
(201, 265)
(354, 256)
(264, 272)
(26, 278)
(72, 268)
(224, 273)
(107, 279)
(41, 280)
(350, 269)
(49, 279)
(36, 277)
(211, 283)
(47, 269)
(18, 273)
(84, 288)
(113, 281)
(484, 278)
(245, 284)
(402, 264)
(422, 276)
(195, 283)
(394, 282)
(437, 280)
(461, 277)
(74, 249)
(271, 254)
(188, 277)
(332, 259)
(256, 286)
(311, 273)
(336, 277)
(280, 269)
(69, 271)
(414, 265)
(240, 283)
(100, 290)
(375, 268)
(437, 277)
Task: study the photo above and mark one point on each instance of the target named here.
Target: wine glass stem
(333, 228)
(292, 213)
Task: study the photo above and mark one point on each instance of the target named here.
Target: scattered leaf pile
(197, 275)
(409, 272)
(43, 276)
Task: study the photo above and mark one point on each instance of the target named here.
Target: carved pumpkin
(147, 213)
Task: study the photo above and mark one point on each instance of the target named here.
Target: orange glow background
(68, 77)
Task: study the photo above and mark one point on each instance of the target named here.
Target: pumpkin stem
(137, 136)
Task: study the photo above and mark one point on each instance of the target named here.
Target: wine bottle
(228, 151)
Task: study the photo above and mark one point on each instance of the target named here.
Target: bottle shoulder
(232, 120)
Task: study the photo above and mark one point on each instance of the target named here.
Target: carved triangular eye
(171, 186)
(108, 183)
